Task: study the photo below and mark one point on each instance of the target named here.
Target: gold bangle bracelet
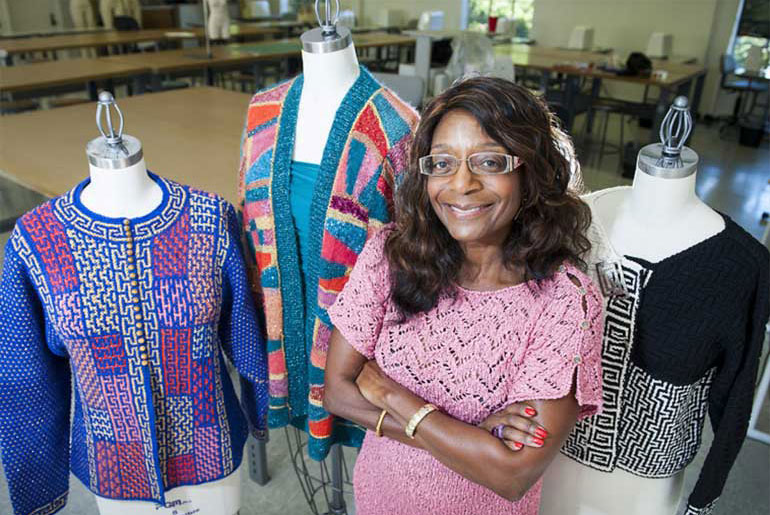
(418, 417)
(378, 429)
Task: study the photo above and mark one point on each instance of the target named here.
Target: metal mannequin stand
(114, 150)
(258, 461)
(325, 489)
(670, 158)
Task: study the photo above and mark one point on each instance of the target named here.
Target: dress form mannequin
(133, 9)
(121, 188)
(314, 175)
(327, 79)
(574, 486)
(108, 10)
(330, 68)
(658, 217)
(221, 497)
(82, 14)
(219, 19)
(121, 193)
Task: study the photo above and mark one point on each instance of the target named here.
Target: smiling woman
(469, 209)
(528, 209)
(467, 338)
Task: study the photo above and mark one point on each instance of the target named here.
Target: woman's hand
(519, 429)
(375, 385)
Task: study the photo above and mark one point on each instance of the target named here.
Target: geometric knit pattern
(706, 510)
(665, 420)
(365, 154)
(682, 338)
(595, 441)
(137, 314)
(471, 355)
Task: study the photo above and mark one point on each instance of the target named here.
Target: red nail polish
(530, 412)
(542, 433)
(538, 442)
(518, 445)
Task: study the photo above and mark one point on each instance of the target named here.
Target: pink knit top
(471, 356)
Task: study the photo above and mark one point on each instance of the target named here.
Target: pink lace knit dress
(471, 356)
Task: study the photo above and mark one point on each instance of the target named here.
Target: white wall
(701, 29)
(411, 8)
(626, 25)
(31, 15)
(5, 17)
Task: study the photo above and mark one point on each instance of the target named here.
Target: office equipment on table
(582, 38)
(659, 45)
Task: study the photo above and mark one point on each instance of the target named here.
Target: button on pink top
(471, 356)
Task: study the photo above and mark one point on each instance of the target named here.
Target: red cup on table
(492, 23)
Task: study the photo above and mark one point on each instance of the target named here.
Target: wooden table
(586, 64)
(237, 31)
(292, 47)
(239, 55)
(184, 59)
(26, 80)
(365, 29)
(11, 47)
(190, 60)
(59, 31)
(584, 55)
(32, 79)
(191, 136)
(287, 27)
(681, 79)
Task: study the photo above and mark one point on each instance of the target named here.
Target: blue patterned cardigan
(137, 312)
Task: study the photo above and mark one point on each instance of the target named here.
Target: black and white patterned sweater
(682, 338)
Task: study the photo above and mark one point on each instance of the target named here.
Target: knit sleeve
(359, 309)
(240, 331)
(34, 394)
(242, 163)
(565, 346)
(730, 399)
(381, 203)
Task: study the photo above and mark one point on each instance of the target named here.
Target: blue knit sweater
(137, 313)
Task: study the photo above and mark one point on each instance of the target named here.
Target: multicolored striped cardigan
(365, 153)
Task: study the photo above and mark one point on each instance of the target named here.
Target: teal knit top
(301, 187)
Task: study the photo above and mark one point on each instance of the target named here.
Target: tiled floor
(731, 178)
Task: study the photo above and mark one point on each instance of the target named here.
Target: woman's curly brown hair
(551, 227)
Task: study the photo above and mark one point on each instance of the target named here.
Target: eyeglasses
(480, 163)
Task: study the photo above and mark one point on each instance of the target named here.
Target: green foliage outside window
(742, 46)
(753, 30)
(521, 11)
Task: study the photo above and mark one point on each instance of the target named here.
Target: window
(752, 29)
(520, 10)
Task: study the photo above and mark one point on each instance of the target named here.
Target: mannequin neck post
(127, 192)
(657, 199)
(330, 73)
